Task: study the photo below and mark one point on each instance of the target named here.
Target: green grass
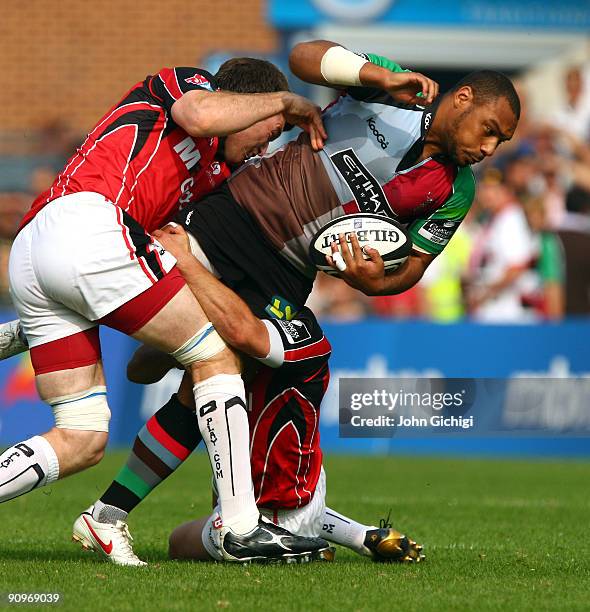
(498, 535)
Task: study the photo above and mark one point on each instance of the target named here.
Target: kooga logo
(378, 135)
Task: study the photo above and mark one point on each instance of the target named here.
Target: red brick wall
(73, 59)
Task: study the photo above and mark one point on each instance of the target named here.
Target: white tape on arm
(342, 67)
(276, 353)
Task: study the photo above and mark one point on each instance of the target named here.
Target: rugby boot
(387, 545)
(269, 543)
(113, 542)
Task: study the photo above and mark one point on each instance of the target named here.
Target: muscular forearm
(406, 277)
(230, 315)
(203, 114)
(305, 62)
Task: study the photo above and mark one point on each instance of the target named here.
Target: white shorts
(306, 521)
(78, 260)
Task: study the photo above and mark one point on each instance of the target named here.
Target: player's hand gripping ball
(384, 235)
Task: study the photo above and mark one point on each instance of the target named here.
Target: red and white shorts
(83, 261)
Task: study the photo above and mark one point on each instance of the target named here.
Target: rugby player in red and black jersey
(284, 394)
(84, 256)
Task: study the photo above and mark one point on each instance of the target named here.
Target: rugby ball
(385, 235)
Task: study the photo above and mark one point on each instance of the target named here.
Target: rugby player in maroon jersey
(284, 394)
(392, 149)
(84, 256)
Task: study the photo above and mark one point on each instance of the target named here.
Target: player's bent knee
(86, 411)
(173, 550)
(82, 449)
(204, 345)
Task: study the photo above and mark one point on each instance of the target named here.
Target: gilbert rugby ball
(385, 235)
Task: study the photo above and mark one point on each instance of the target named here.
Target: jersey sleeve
(299, 342)
(431, 235)
(384, 62)
(171, 83)
(371, 94)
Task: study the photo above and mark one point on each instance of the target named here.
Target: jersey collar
(414, 152)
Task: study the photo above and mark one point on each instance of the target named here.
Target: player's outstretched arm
(230, 315)
(204, 113)
(326, 63)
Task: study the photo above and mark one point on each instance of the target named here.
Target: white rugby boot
(12, 339)
(113, 542)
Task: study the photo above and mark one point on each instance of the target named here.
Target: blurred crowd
(522, 253)
(519, 256)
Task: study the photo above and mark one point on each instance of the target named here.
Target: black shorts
(239, 251)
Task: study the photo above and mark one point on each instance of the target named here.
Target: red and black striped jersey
(284, 415)
(139, 159)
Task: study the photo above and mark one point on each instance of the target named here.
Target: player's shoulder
(465, 182)
(463, 192)
(184, 78)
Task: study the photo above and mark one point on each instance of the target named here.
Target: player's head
(250, 75)
(483, 111)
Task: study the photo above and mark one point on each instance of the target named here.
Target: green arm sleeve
(384, 62)
(369, 93)
(432, 234)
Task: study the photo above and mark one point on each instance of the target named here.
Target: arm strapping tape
(342, 67)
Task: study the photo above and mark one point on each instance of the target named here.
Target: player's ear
(463, 97)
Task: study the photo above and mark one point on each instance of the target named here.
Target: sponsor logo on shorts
(329, 527)
(439, 231)
(280, 308)
(365, 188)
(294, 331)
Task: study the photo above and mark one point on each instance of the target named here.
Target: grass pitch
(497, 534)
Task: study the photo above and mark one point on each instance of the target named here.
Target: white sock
(27, 466)
(223, 423)
(344, 531)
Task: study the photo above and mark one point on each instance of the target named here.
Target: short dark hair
(488, 86)
(250, 75)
